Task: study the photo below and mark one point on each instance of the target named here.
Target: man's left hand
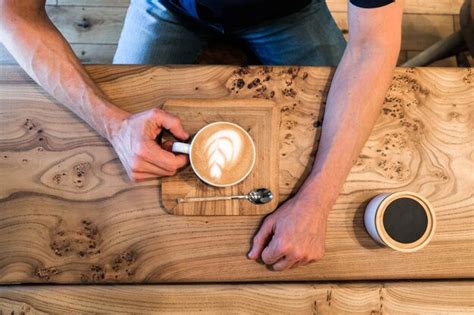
(293, 235)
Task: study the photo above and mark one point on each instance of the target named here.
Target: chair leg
(462, 61)
(442, 49)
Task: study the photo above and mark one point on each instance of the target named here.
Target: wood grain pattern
(68, 213)
(88, 25)
(324, 298)
(261, 119)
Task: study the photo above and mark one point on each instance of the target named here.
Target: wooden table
(69, 215)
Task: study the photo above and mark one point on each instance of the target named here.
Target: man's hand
(293, 235)
(296, 231)
(134, 141)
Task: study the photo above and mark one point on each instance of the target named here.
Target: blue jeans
(152, 34)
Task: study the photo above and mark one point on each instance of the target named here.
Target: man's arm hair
(42, 51)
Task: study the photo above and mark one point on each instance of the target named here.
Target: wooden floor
(93, 27)
(310, 298)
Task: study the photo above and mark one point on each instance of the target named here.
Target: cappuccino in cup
(403, 221)
(221, 154)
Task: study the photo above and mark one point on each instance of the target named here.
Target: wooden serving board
(261, 119)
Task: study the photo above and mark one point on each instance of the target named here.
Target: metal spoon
(257, 196)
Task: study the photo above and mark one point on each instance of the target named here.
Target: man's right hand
(44, 54)
(133, 138)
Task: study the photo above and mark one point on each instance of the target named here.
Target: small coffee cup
(221, 154)
(403, 221)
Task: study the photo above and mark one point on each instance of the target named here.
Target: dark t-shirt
(235, 13)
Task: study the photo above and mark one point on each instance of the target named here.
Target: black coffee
(405, 220)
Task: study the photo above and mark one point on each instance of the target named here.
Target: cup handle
(181, 147)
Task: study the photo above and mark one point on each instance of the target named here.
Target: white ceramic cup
(187, 148)
(373, 220)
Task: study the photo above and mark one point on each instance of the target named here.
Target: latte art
(223, 150)
(222, 154)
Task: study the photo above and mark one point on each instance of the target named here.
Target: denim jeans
(152, 34)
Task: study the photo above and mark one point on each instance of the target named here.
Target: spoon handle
(216, 198)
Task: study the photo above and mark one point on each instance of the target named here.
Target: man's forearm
(353, 106)
(45, 55)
